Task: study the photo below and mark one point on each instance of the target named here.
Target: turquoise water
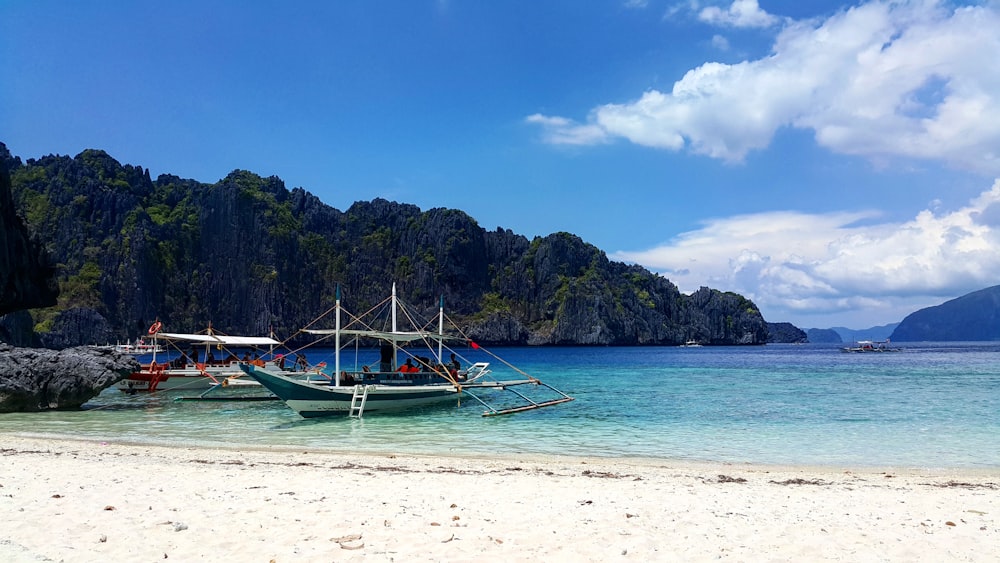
(930, 405)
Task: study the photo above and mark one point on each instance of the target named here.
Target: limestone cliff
(25, 274)
(248, 255)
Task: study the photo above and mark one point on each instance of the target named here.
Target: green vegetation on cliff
(247, 255)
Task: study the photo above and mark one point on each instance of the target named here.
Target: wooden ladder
(358, 401)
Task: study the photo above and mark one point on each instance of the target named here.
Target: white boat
(870, 346)
(691, 344)
(191, 370)
(395, 386)
(138, 347)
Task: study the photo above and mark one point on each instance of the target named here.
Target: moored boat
(192, 370)
(420, 380)
(138, 347)
(870, 346)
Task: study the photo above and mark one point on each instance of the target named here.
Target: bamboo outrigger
(392, 386)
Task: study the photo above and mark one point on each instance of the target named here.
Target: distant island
(971, 317)
(974, 317)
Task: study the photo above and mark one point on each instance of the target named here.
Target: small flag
(474, 345)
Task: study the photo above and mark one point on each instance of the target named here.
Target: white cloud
(562, 131)
(741, 13)
(794, 265)
(720, 42)
(882, 79)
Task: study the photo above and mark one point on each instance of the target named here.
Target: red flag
(474, 345)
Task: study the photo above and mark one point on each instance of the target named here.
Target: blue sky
(836, 162)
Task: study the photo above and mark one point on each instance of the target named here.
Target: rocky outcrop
(73, 326)
(26, 277)
(33, 379)
(16, 329)
(785, 333)
(824, 335)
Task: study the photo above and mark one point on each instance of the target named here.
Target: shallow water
(930, 405)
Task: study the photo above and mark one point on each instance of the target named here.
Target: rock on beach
(37, 379)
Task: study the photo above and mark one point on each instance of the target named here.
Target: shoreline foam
(85, 501)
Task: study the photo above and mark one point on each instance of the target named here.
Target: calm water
(931, 405)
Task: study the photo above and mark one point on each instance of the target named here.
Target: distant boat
(870, 346)
(425, 378)
(691, 344)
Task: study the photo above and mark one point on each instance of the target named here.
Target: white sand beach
(65, 500)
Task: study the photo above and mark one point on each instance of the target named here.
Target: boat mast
(336, 343)
(394, 326)
(441, 331)
(208, 345)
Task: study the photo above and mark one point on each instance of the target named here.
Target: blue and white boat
(392, 385)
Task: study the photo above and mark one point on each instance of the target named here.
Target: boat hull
(174, 379)
(310, 400)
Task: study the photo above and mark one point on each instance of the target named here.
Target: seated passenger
(408, 367)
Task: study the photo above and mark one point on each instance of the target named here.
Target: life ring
(154, 328)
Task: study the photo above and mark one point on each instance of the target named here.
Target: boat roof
(220, 339)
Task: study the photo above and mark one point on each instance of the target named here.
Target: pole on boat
(394, 343)
(441, 331)
(270, 333)
(394, 307)
(336, 343)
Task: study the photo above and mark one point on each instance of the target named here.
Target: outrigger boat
(186, 371)
(870, 346)
(393, 386)
(138, 347)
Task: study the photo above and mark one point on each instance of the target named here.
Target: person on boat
(408, 367)
(246, 356)
(281, 361)
(454, 366)
(210, 358)
(301, 362)
(424, 363)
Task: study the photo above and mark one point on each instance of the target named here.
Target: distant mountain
(873, 333)
(975, 316)
(823, 335)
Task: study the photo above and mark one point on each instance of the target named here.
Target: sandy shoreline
(65, 500)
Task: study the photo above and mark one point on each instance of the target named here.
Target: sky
(836, 162)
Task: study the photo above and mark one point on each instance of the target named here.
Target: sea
(929, 405)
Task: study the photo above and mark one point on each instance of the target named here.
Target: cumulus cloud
(796, 264)
(902, 78)
(741, 13)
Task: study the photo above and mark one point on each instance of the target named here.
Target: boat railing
(348, 378)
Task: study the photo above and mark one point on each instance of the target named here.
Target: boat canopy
(220, 339)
